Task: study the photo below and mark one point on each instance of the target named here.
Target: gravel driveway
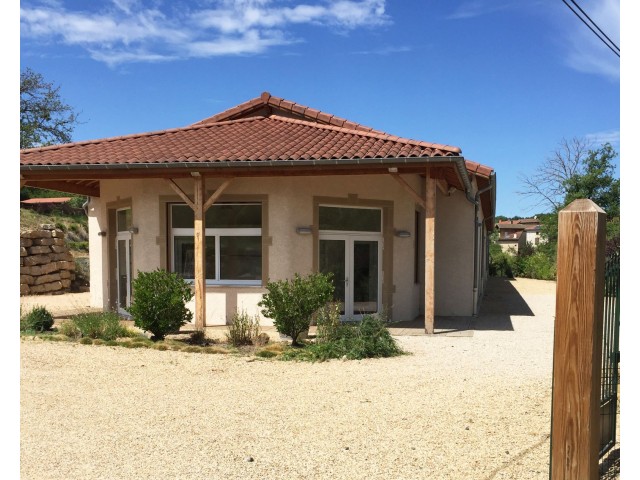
(460, 407)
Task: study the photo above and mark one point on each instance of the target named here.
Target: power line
(615, 49)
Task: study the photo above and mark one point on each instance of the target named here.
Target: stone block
(66, 283)
(25, 242)
(67, 257)
(65, 265)
(57, 234)
(59, 249)
(37, 259)
(48, 268)
(23, 252)
(54, 277)
(24, 289)
(43, 241)
(39, 249)
(26, 279)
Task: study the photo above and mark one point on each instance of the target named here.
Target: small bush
(243, 330)
(368, 338)
(103, 325)
(292, 303)
(328, 323)
(37, 319)
(159, 302)
(86, 341)
(69, 329)
(266, 354)
(501, 264)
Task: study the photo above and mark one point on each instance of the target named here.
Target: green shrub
(103, 325)
(291, 303)
(537, 265)
(86, 341)
(368, 338)
(372, 340)
(501, 264)
(37, 319)
(80, 245)
(327, 319)
(70, 329)
(159, 302)
(243, 330)
(266, 354)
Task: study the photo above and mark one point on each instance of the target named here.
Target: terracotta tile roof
(510, 226)
(258, 138)
(266, 105)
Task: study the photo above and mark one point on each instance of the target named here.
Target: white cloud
(131, 31)
(599, 138)
(585, 51)
(388, 50)
(477, 8)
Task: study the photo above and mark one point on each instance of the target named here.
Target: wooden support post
(575, 426)
(199, 252)
(429, 253)
(418, 199)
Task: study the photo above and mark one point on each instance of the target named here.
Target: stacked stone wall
(46, 265)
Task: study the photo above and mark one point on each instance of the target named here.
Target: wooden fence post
(575, 426)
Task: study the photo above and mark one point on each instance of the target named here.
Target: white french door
(123, 259)
(355, 260)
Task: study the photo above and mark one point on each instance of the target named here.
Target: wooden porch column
(199, 207)
(429, 252)
(199, 252)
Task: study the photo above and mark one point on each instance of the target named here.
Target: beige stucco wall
(290, 203)
(454, 255)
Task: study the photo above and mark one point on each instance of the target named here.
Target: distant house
(49, 204)
(514, 234)
(271, 188)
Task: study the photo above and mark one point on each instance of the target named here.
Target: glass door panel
(365, 276)
(333, 260)
(123, 252)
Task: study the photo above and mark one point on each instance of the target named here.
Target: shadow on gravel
(502, 298)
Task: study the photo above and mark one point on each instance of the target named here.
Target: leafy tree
(44, 118)
(548, 183)
(575, 171)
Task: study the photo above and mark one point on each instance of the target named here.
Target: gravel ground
(460, 407)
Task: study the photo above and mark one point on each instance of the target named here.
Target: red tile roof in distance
(35, 201)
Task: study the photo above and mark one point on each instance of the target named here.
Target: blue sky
(504, 80)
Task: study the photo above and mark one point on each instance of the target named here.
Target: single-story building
(271, 188)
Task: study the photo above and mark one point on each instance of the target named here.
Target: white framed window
(233, 238)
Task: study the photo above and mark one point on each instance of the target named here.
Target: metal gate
(610, 354)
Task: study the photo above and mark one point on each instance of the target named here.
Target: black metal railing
(610, 378)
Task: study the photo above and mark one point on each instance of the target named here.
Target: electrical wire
(609, 43)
